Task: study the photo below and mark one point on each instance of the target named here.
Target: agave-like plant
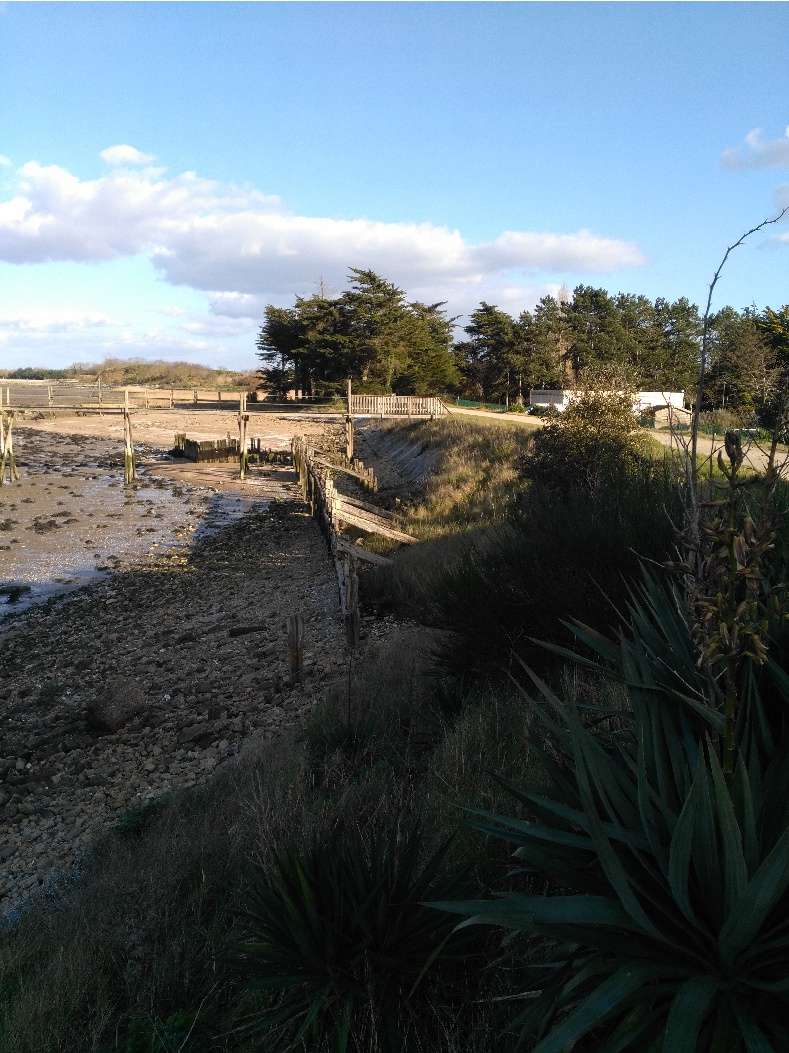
(340, 940)
(667, 926)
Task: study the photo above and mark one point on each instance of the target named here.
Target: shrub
(594, 438)
(567, 551)
(339, 940)
(665, 927)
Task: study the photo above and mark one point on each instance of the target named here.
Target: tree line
(373, 334)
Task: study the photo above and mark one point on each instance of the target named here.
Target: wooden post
(147, 400)
(125, 400)
(351, 605)
(195, 395)
(129, 470)
(172, 398)
(349, 428)
(243, 455)
(296, 648)
(99, 387)
(7, 458)
(49, 395)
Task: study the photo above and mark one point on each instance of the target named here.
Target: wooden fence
(397, 405)
(333, 511)
(227, 449)
(66, 394)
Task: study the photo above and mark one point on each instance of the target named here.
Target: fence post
(172, 399)
(129, 473)
(296, 648)
(352, 622)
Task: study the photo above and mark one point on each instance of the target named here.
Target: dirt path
(756, 456)
(158, 640)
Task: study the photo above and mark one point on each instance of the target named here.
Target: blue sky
(168, 169)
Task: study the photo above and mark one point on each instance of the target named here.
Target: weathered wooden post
(296, 648)
(172, 398)
(129, 469)
(243, 420)
(125, 400)
(349, 428)
(7, 458)
(352, 620)
(195, 395)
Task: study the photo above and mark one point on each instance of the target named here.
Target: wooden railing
(397, 405)
(334, 510)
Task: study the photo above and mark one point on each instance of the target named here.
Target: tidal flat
(70, 519)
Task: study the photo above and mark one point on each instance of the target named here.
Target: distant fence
(397, 405)
(66, 394)
(493, 407)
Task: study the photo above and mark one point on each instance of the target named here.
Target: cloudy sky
(168, 170)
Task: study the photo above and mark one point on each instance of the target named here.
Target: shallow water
(65, 525)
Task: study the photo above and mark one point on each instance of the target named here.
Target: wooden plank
(365, 506)
(363, 521)
(344, 545)
(338, 468)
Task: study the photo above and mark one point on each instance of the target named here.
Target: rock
(120, 701)
(196, 733)
(4, 798)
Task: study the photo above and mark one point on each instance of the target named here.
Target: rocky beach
(131, 677)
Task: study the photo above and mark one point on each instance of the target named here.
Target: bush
(669, 882)
(339, 940)
(566, 551)
(595, 438)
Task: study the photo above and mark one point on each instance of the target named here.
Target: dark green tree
(489, 353)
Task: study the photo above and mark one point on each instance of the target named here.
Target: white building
(644, 400)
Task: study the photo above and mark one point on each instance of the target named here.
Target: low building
(644, 400)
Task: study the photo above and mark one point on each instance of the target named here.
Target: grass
(134, 957)
(503, 560)
(477, 476)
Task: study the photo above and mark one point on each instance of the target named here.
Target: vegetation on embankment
(508, 552)
(153, 372)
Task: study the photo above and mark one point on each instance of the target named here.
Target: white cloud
(59, 339)
(45, 322)
(244, 249)
(5, 162)
(758, 152)
(123, 154)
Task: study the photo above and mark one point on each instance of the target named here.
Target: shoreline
(157, 635)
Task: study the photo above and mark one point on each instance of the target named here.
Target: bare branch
(705, 337)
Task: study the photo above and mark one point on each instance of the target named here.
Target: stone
(119, 702)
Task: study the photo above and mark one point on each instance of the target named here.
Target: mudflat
(190, 555)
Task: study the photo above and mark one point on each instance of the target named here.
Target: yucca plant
(340, 942)
(666, 926)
